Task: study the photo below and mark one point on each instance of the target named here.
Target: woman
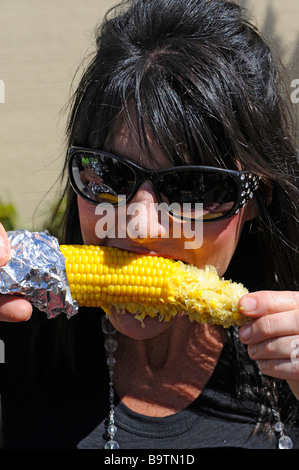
(172, 83)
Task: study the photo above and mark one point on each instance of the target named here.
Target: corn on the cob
(150, 286)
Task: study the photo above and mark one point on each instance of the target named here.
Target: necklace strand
(110, 344)
(110, 347)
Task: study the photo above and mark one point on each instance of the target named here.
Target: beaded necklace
(110, 344)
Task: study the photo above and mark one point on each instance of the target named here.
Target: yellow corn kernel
(150, 286)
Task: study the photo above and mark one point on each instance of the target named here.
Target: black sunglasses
(188, 192)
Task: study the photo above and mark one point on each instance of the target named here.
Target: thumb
(4, 247)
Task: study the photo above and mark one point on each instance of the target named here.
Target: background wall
(42, 42)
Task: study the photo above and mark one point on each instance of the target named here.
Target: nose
(144, 218)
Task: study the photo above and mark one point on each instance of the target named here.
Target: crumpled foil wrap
(37, 271)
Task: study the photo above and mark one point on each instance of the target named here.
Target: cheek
(220, 240)
(88, 221)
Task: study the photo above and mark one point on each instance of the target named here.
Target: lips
(142, 251)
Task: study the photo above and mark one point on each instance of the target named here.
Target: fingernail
(248, 304)
(245, 332)
(261, 364)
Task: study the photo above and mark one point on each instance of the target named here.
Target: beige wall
(41, 44)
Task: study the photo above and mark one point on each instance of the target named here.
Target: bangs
(201, 100)
(179, 107)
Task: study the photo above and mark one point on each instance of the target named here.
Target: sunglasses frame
(247, 182)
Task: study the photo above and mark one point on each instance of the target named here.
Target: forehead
(126, 141)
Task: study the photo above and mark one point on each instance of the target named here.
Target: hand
(273, 334)
(12, 308)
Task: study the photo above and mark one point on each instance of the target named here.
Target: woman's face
(153, 237)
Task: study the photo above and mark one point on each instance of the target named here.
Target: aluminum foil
(37, 271)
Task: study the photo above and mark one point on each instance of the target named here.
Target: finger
(285, 369)
(294, 386)
(270, 326)
(14, 309)
(4, 247)
(286, 347)
(261, 303)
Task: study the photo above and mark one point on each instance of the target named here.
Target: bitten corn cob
(150, 286)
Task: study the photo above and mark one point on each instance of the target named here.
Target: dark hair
(206, 84)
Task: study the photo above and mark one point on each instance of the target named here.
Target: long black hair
(204, 81)
(206, 84)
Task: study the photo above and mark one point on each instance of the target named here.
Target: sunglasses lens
(203, 193)
(198, 194)
(102, 178)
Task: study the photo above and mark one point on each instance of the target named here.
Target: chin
(129, 326)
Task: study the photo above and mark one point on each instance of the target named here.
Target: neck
(169, 371)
